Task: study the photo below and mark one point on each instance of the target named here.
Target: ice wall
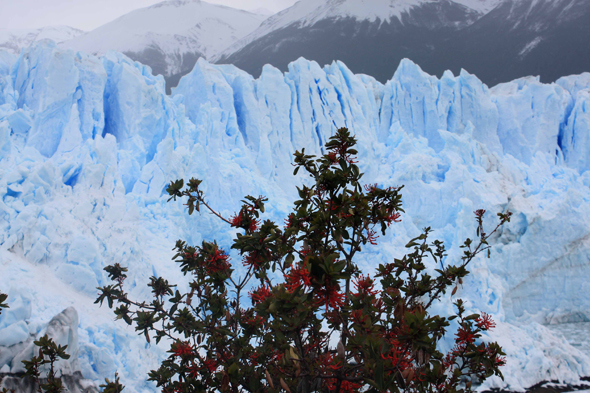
(88, 145)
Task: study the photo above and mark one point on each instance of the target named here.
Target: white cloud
(271, 5)
(89, 14)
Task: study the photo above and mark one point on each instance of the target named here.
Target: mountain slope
(499, 40)
(14, 40)
(548, 38)
(370, 37)
(170, 36)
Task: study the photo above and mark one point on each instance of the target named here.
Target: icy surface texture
(88, 145)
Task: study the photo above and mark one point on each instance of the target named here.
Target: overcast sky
(89, 14)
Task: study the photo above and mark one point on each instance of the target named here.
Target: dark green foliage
(387, 339)
(112, 387)
(49, 353)
(3, 298)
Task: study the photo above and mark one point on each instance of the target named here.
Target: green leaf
(289, 260)
(379, 375)
(233, 369)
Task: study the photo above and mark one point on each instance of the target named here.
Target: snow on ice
(88, 146)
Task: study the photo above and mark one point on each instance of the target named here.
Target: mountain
(14, 40)
(262, 11)
(499, 40)
(170, 36)
(548, 38)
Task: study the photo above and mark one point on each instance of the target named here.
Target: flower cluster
(217, 261)
(364, 286)
(253, 259)
(298, 276)
(182, 349)
(245, 221)
(329, 295)
(485, 322)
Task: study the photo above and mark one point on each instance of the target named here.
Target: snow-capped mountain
(499, 40)
(262, 11)
(368, 35)
(14, 40)
(170, 36)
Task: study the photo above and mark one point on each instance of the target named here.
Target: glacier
(88, 146)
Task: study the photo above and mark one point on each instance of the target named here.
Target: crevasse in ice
(88, 145)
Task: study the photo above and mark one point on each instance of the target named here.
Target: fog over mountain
(170, 36)
(14, 40)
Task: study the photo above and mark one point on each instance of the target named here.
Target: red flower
(253, 259)
(290, 221)
(449, 361)
(210, 364)
(332, 205)
(330, 296)
(244, 221)
(297, 276)
(387, 269)
(371, 187)
(358, 317)
(327, 362)
(396, 356)
(304, 252)
(253, 225)
(485, 322)
(182, 349)
(345, 386)
(364, 286)
(254, 358)
(459, 348)
(218, 261)
(260, 295)
(372, 236)
(500, 361)
(253, 321)
(236, 220)
(464, 336)
(393, 217)
(332, 157)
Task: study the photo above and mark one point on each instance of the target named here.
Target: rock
(63, 329)
(72, 383)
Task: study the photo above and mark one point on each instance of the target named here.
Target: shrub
(386, 339)
(49, 352)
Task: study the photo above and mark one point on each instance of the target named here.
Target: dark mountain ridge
(517, 38)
